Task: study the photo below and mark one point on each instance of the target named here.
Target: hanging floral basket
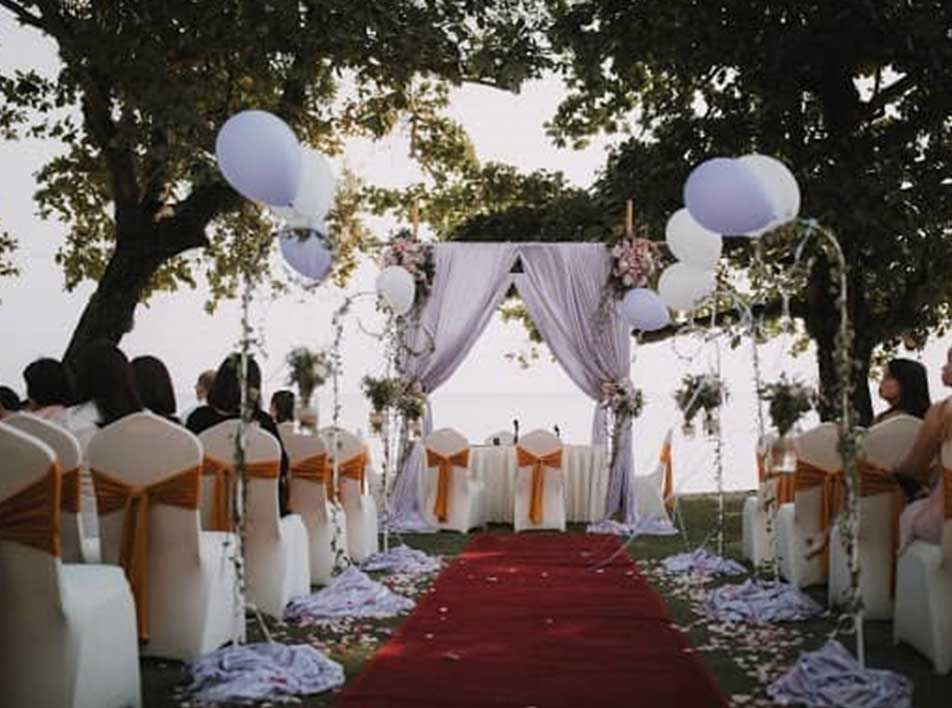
(376, 421)
(712, 423)
(701, 392)
(788, 400)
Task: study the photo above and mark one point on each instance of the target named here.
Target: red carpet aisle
(526, 620)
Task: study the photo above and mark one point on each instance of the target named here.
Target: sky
(38, 316)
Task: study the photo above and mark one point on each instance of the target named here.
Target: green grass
(731, 652)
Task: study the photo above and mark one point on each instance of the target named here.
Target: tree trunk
(110, 312)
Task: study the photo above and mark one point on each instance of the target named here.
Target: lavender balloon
(643, 309)
(725, 196)
(260, 157)
(307, 253)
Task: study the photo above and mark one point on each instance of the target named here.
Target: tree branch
(186, 229)
(883, 98)
(24, 16)
(770, 309)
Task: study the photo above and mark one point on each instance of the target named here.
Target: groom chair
(452, 495)
(540, 487)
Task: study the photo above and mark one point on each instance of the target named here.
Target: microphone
(515, 428)
(558, 433)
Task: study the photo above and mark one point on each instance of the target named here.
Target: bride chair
(923, 613)
(539, 488)
(311, 495)
(359, 505)
(802, 526)
(276, 550)
(69, 630)
(76, 546)
(452, 495)
(881, 500)
(146, 471)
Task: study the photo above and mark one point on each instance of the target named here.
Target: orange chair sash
(786, 482)
(224, 482)
(182, 489)
(553, 460)
(809, 476)
(946, 483)
(69, 497)
(874, 480)
(445, 465)
(314, 469)
(667, 485)
(31, 516)
(761, 467)
(355, 468)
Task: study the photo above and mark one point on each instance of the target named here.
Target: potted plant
(411, 404)
(788, 401)
(382, 394)
(308, 371)
(700, 392)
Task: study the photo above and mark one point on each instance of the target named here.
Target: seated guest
(9, 402)
(224, 403)
(905, 388)
(202, 386)
(282, 406)
(923, 518)
(106, 390)
(155, 386)
(49, 389)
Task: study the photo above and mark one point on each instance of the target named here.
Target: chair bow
(182, 489)
(809, 476)
(553, 460)
(315, 469)
(355, 468)
(31, 516)
(224, 472)
(445, 465)
(667, 485)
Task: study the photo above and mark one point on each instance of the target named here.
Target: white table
(584, 471)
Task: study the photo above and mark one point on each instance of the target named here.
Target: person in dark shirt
(224, 403)
(282, 406)
(155, 386)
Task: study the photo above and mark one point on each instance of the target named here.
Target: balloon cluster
(261, 158)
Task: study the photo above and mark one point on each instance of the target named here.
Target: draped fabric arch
(563, 289)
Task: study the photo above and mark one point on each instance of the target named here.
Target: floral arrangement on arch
(405, 396)
(622, 398)
(635, 262)
(309, 370)
(413, 256)
(789, 400)
(700, 392)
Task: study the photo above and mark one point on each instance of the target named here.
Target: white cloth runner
(831, 677)
(263, 672)
(584, 473)
(760, 602)
(402, 560)
(702, 562)
(350, 594)
(641, 527)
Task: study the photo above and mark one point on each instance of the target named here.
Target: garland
(416, 258)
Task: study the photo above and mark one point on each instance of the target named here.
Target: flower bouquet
(635, 261)
(382, 394)
(789, 400)
(308, 371)
(414, 257)
(622, 398)
(700, 392)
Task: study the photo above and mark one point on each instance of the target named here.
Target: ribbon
(31, 516)
(355, 468)
(182, 490)
(667, 485)
(69, 496)
(553, 460)
(445, 465)
(224, 472)
(314, 469)
(809, 476)
(946, 483)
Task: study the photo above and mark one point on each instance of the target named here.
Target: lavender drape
(563, 290)
(470, 282)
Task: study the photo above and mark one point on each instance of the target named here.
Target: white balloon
(260, 157)
(397, 287)
(781, 186)
(643, 309)
(692, 243)
(307, 254)
(682, 286)
(316, 190)
(726, 196)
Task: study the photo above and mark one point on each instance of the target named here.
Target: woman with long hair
(155, 386)
(49, 389)
(905, 388)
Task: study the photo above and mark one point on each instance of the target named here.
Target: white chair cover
(276, 549)
(69, 631)
(799, 528)
(192, 605)
(755, 541)
(309, 499)
(464, 500)
(885, 446)
(649, 489)
(923, 613)
(359, 505)
(540, 443)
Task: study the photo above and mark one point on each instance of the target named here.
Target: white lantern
(307, 253)
(726, 196)
(682, 286)
(260, 157)
(642, 309)
(398, 289)
(692, 243)
(781, 186)
(316, 189)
